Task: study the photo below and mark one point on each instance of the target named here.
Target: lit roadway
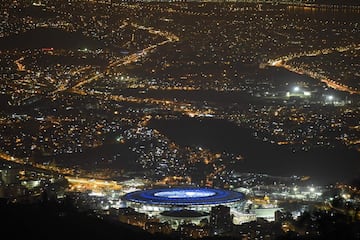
(91, 183)
(117, 63)
(94, 184)
(25, 162)
(93, 76)
(136, 56)
(127, 59)
(167, 104)
(20, 66)
(85, 183)
(282, 62)
(182, 107)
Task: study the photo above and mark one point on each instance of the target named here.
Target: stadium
(155, 201)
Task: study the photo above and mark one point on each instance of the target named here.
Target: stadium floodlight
(296, 89)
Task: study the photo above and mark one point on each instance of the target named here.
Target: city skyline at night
(102, 100)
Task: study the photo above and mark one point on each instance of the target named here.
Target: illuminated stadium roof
(184, 196)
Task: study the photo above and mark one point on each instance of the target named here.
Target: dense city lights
(186, 119)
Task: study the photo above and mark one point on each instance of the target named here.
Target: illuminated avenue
(282, 62)
(108, 102)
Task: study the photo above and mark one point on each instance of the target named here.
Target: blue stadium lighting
(184, 196)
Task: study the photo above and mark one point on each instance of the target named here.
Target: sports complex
(154, 201)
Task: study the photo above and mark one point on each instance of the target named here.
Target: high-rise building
(220, 219)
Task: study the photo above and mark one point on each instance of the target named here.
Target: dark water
(323, 165)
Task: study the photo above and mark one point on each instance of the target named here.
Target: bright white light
(296, 89)
(96, 194)
(346, 196)
(330, 97)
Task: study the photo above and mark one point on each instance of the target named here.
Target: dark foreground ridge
(54, 221)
